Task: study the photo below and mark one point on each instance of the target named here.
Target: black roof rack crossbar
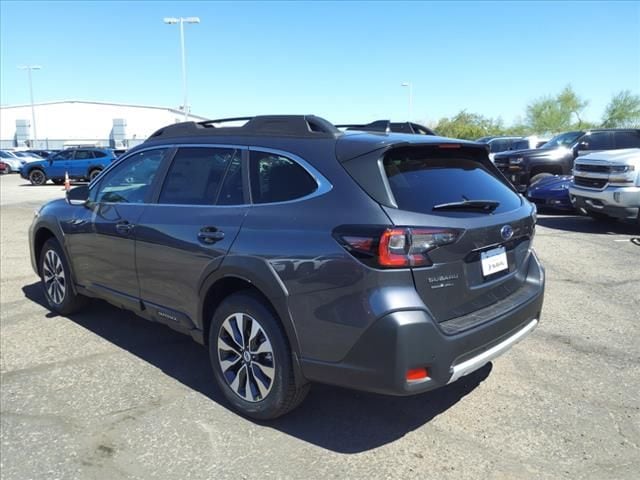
(302, 126)
(388, 126)
(377, 126)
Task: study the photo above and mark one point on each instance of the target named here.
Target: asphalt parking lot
(104, 394)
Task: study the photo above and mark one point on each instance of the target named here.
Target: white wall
(79, 121)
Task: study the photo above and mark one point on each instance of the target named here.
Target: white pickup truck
(607, 184)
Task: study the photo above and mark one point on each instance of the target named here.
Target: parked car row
(604, 185)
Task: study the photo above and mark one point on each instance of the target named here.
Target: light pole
(28, 68)
(408, 84)
(182, 21)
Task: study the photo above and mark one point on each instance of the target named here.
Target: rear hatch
(480, 257)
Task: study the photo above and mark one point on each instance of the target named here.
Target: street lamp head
(29, 67)
(405, 84)
(170, 20)
(191, 20)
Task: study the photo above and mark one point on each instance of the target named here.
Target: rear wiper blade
(483, 205)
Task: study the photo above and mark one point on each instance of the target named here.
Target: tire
(539, 176)
(272, 388)
(37, 177)
(56, 280)
(9, 169)
(94, 173)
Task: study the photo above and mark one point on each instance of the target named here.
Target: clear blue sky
(341, 60)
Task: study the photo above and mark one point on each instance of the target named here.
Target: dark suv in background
(297, 253)
(556, 157)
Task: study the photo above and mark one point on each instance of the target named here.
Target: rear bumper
(406, 340)
(618, 202)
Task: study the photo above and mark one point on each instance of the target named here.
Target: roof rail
(303, 126)
(388, 126)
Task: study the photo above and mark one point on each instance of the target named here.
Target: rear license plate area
(494, 261)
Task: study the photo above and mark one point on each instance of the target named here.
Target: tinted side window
(275, 178)
(99, 154)
(83, 155)
(627, 139)
(195, 175)
(421, 178)
(130, 181)
(598, 141)
(66, 155)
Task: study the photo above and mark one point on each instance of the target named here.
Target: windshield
(563, 140)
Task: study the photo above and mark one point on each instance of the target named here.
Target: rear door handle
(124, 228)
(210, 235)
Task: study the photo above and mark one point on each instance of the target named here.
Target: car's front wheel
(37, 177)
(56, 280)
(251, 358)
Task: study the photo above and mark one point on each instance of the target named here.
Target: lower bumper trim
(477, 362)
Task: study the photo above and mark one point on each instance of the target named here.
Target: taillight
(397, 247)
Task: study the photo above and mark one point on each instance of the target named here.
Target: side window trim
(323, 184)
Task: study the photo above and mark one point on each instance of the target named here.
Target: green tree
(556, 113)
(469, 126)
(622, 111)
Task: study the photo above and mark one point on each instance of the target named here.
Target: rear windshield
(421, 179)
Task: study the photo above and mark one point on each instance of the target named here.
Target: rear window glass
(421, 179)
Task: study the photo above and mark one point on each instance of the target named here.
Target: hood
(551, 182)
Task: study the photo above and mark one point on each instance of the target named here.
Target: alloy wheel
(37, 177)
(245, 356)
(53, 276)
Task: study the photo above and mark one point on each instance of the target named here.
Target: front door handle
(210, 235)
(124, 228)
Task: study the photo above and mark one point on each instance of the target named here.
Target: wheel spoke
(266, 370)
(229, 342)
(262, 388)
(265, 347)
(227, 364)
(247, 386)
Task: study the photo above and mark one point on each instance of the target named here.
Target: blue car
(78, 163)
(551, 192)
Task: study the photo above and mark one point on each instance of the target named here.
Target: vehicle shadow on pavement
(582, 224)
(337, 419)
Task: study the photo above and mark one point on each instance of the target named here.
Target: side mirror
(78, 195)
(50, 161)
(582, 146)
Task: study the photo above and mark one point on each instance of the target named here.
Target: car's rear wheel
(94, 173)
(251, 358)
(37, 177)
(56, 280)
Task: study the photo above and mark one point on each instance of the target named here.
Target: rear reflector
(449, 145)
(417, 374)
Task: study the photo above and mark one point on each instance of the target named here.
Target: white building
(65, 123)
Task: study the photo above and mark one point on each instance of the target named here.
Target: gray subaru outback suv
(297, 253)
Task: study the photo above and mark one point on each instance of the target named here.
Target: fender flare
(259, 273)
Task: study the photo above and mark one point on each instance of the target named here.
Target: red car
(3, 167)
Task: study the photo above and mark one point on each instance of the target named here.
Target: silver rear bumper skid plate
(474, 363)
